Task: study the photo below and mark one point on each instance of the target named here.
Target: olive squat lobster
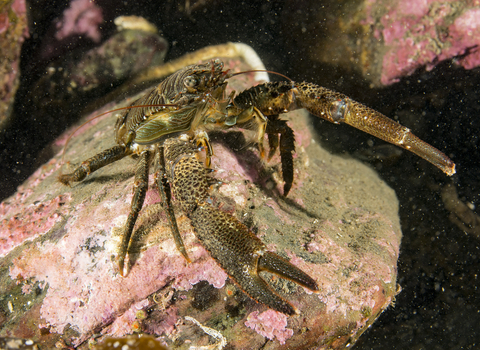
(174, 119)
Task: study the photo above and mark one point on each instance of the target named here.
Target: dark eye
(190, 81)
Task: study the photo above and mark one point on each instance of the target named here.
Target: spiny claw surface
(338, 108)
(275, 98)
(243, 256)
(234, 247)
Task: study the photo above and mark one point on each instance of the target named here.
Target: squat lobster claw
(235, 248)
(175, 118)
(271, 99)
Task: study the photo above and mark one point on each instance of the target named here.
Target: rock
(57, 244)
(385, 40)
(81, 76)
(50, 103)
(82, 17)
(13, 31)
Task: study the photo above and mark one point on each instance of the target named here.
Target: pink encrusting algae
(84, 288)
(424, 33)
(83, 17)
(32, 221)
(385, 40)
(271, 324)
(27, 215)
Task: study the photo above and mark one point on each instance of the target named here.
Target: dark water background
(439, 306)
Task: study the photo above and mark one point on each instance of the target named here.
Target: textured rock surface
(77, 76)
(339, 224)
(13, 31)
(385, 40)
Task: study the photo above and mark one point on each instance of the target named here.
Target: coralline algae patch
(84, 289)
(353, 280)
(29, 213)
(423, 33)
(83, 17)
(271, 324)
(35, 220)
(385, 40)
(75, 261)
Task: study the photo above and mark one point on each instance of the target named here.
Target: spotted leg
(94, 163)
(140, 187)
(166, 196)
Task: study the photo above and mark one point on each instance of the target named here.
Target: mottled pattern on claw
(280, 97)
(242, 255)
(338, 108)
(234, 247)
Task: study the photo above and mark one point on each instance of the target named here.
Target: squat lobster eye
(190, 81)
(338, 110)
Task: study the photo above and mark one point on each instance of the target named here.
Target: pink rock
(466, 31)
(83, 17)
(13, 31)
(271, 324)
(339, 224)
(427, 36)
(386, 40)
